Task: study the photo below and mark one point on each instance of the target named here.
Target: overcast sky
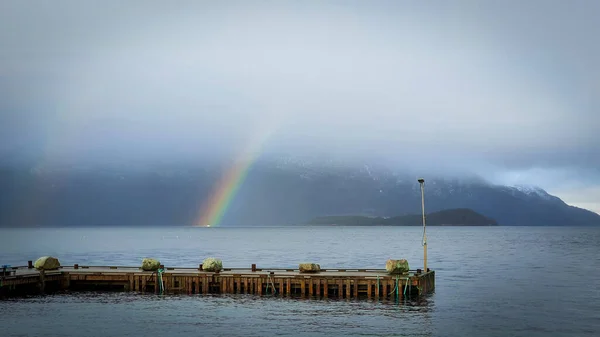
(508, 89)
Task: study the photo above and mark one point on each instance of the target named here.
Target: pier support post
(259, 286)
(65, 283)
(42, 282)
(348, 284)
(205, 282)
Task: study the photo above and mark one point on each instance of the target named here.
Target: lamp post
(424, 243)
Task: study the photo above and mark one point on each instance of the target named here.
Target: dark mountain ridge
(278, 192)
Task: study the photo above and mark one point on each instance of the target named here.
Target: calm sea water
(490, 281)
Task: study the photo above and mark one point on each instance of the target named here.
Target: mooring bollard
(200, 267)
(29, 264)
(418, 271)
(253, 267)
(76, 266)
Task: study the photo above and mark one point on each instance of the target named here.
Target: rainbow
(213, 210)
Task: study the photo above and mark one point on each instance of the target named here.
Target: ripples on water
(502, 281)
(124, 314)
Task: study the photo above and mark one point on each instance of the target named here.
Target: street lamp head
(421, 180)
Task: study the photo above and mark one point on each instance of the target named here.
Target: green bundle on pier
(150, 264)
(47, 263)
(396, 266)
(212, 264)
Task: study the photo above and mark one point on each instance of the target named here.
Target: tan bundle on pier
(150, 264)
(396, 266)
(47, 263)
(309, 268)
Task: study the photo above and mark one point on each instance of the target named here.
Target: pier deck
(338, 283)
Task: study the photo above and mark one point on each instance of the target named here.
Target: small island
(448, 217)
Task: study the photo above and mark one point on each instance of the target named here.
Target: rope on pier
(406, 286)
(272, 285)
(161, 285)
(378, 284)
(395, 291)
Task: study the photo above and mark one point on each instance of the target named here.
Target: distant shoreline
(448, 218)
(383, 225)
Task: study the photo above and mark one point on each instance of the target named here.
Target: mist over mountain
(278, 191)
(134, 111)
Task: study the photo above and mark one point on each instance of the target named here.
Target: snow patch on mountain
(532, 191)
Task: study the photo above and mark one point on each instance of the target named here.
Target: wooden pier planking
(348, 283)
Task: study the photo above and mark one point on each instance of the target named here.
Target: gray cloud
(503, 88)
